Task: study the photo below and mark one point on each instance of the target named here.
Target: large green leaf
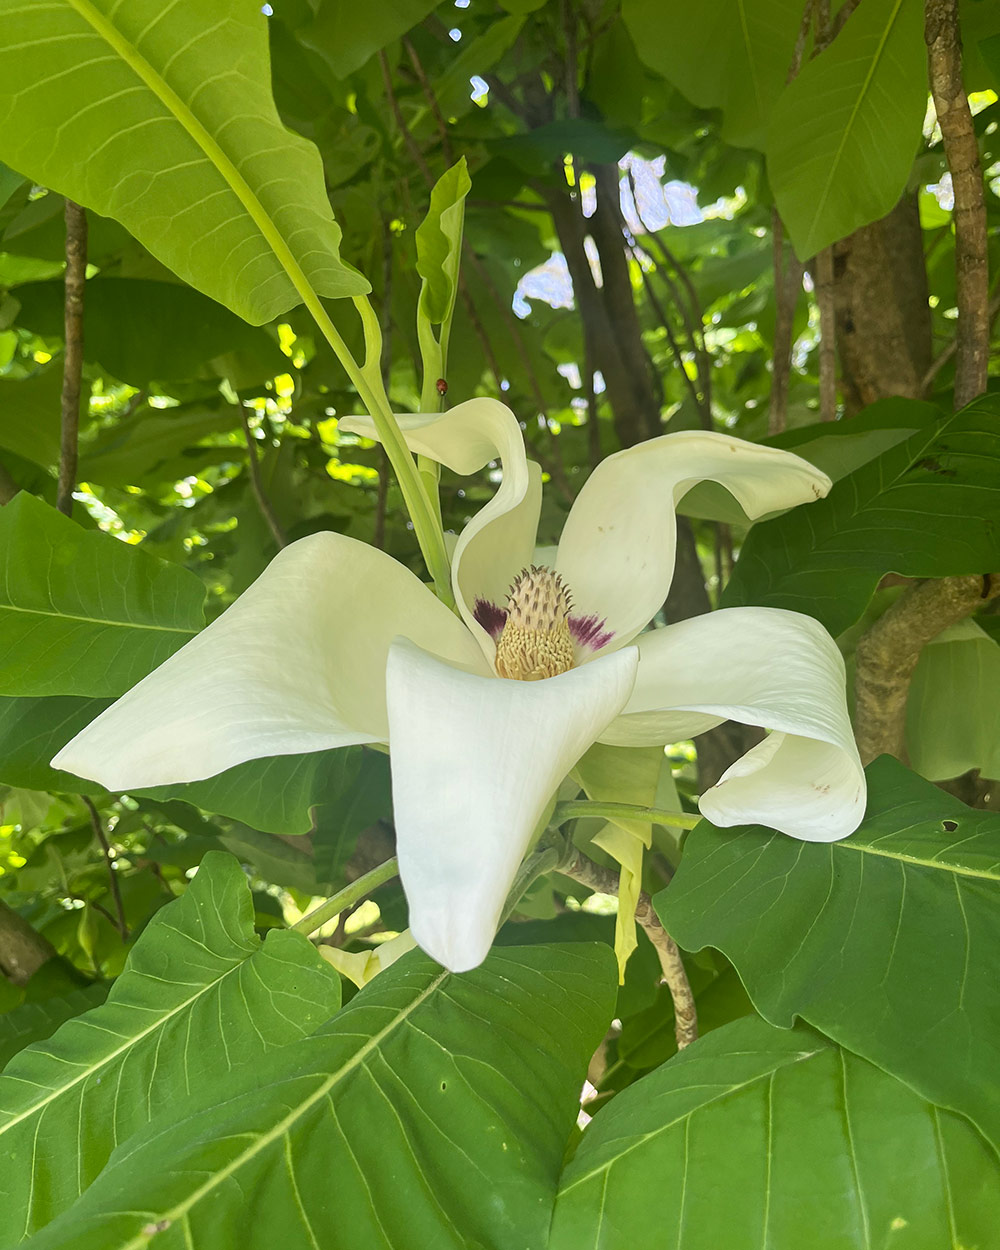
(140, 330)
(161, 116)
(433, 1111)
(953, 708)
(720, 54)
(200, 997)
(886, 941)
(771, 1139)
(928, 507)
(81, 613)
(282, 794)
(844, 133)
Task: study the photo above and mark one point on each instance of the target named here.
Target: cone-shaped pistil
(536, 641)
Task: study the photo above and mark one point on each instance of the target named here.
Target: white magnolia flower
(337, 643)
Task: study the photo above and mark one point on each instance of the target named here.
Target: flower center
(535, 641)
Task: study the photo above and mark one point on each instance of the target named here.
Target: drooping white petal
(617, 547)
(760, 666)
(296, 664)
(474, 761)
(499, 540)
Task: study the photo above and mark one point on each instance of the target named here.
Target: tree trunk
(883, 318)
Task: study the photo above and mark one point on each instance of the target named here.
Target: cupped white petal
(760, 666)
(474, 761)
(617, 548)
(296, 664)
(499, 540)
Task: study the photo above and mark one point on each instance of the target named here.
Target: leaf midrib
(98, 620)
(917, 862)
(862, 95)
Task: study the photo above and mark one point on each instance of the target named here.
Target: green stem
(427, 528)
(347, 897)
(582, 808)
(534, 866)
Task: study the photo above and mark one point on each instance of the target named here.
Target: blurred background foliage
(618, 282)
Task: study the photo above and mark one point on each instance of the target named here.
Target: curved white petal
(464, 439)
(617, 548)
(296, 664)
(474, 761)
(760, 666)
(499, 540)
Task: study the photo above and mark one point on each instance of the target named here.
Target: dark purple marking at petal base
(491, 617)
(590, 631)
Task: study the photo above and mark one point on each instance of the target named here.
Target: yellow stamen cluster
(536, 641)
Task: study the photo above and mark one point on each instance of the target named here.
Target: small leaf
(439, 244)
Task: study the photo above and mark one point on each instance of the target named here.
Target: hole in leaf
(949, 825)
(444, 1084)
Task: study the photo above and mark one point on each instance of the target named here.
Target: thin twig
(839, 18)
(568, 18)
(961, 149)
(257, 486)
(555, 468)
(697, 398)
(432, 100)
(787, 284)
(76, 277)
(690, 309)
(411, 144)
(604, 881)
(949, 351)
(590, 392)
(121, 923)
(827, 336)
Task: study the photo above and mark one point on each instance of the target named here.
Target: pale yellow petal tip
(361, 967)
